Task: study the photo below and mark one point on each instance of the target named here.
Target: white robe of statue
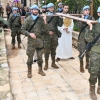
(64, 49)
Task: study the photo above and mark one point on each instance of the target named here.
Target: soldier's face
(43, 9)
(65, 9)
(51, 9)
(99, 14)
(61, 6)
(86, 12)
(14, 11)
(35, 11)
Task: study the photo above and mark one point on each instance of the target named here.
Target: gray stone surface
(5, 89)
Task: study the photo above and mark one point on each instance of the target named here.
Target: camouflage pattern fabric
(34, 44)
(94, 68)
(51, 41)
(82, 43)
(15, 27)
(3, 23)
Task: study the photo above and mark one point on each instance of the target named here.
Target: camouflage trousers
(15, 33)
(36, 45)
(50, 44)
(81, 47)
(94, 68)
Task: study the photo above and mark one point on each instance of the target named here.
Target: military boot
(92, 92)
(54, 65)
(40, 71)
(19, 45)
(81, 67)
(98, 89)
(46, 65)
(87, 64)
(29, 75)
(13, 46)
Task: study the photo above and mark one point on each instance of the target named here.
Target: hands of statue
(32, 35)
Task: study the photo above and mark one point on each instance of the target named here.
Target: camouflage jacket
(81, 25)
(39, 28)
(91, 35)
(13, 24)
(3, 23)
(27, 14)
(56, 21)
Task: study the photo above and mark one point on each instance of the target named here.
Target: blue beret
(50, 5)
(98, 9)
(86, 7)
(44, 6)
(35, 7)
(14, 8)
(59, 3)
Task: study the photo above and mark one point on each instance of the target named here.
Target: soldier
(60, 7)
(51, 39)
(35, 54)
(81, 40)
(8, 10)
(15, 26)
(94, 68)
(35, 39)
(28, 13)
(44, 9)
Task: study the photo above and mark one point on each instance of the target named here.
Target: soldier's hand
(82, 16)
(32, 35)
(89, 23)
(50, 32)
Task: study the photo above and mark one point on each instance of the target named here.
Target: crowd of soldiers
(42, 33)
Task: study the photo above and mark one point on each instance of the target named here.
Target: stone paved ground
(65, 83)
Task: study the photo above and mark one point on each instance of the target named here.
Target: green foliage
(75, 6)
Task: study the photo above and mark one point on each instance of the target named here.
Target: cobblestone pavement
(65, 83)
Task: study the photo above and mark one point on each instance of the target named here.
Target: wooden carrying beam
(77, 18)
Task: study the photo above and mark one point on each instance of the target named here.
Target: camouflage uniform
(94, 68)
(27, 14)
(51, 41)
(82, 43)
(3, 23)
(34, 44)
(15, 27)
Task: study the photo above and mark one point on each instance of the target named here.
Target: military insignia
(67, 22)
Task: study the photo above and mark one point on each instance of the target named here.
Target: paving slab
(65, 83)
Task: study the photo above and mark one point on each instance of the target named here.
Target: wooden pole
(76, 18)
(37, 2)
(91, 6)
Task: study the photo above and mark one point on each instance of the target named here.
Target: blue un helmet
(86, 7)
(60, 3)
(14, 8)
(44, 7)
(35, 7)
(50, 5)
(98, 10)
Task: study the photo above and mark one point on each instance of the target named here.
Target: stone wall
(5, 89)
